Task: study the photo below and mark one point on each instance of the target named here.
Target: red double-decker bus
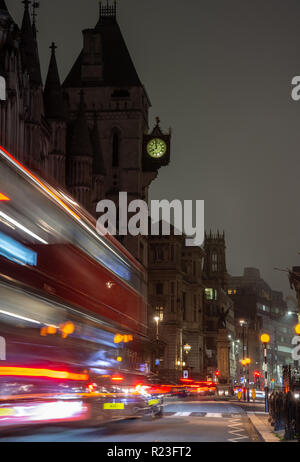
(71, 300)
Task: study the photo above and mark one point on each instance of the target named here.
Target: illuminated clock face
(156, 148)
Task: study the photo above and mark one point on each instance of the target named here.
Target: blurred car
(122, 395)
(199, 388)
(39, 394)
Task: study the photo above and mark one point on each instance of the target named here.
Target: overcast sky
(219, 73)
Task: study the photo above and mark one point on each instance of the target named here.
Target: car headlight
(296, 395)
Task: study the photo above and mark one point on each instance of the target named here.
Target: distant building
(216, 302)
(176, 297)
(264, 310)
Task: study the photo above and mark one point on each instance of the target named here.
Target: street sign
(253, 394)
(185, 374)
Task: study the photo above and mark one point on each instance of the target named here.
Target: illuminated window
(209, 293)
(229, 292)
(159, 311)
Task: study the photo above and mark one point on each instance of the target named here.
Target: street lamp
(265, 338)
(248, 362)
(187, 348)
(156, 319)
(243, 324)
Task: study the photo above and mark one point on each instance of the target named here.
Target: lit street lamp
(156, 319)
(265, 338)
(243, 324)
(187, 348)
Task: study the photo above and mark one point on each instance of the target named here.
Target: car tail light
(43, 373)
(117, 378)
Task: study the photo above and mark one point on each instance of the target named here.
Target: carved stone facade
(86, 134)
(218, 305)
(176, 298)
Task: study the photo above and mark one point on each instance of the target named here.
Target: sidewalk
(263, 427)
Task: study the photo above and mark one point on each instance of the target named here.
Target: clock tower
(116, 110)
(156, 149)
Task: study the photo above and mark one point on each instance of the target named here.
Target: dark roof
(98, 163)
(79, 139)
(53, 98)
(29, 49)
(118, 67)
(3, 6)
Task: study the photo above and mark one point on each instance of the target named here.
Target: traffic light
(217, 373)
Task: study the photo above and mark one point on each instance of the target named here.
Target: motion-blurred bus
(72, 310)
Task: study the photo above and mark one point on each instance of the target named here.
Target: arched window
(115, 150)
(214, 261)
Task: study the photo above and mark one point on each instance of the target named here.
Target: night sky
(219, 73)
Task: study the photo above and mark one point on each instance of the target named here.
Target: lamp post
(156, 319)
(248, 362)
(243, 323)
(186, 348)
(265, 338)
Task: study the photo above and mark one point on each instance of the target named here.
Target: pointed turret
(29, 44)
(3, 6)
(80, 141)
(80, 158)
(53, 98)
(103, 55)
(6, 23)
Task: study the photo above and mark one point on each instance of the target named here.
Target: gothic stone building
(89, 133)
(216, 302)
(176, 294)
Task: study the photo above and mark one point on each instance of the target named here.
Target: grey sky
(218, 72)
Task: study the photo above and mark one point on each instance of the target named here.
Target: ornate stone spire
(30, 54)
(3, 6)
(53, 98)
(80, 142)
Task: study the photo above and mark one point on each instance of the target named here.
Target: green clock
(156, 148)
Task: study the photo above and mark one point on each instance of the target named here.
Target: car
(119, 395)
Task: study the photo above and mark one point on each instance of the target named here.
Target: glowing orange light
(123, 338)
(265, 338)
(4, 198)
(67, 329)
(118, 338)
(47, 373)
(119, 359)
(297, 329)
(117, 378)
(244, 362)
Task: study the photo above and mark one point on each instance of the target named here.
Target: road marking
(213, 414)
(182, 414)
(236, 428)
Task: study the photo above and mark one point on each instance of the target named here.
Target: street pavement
(184, 421)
